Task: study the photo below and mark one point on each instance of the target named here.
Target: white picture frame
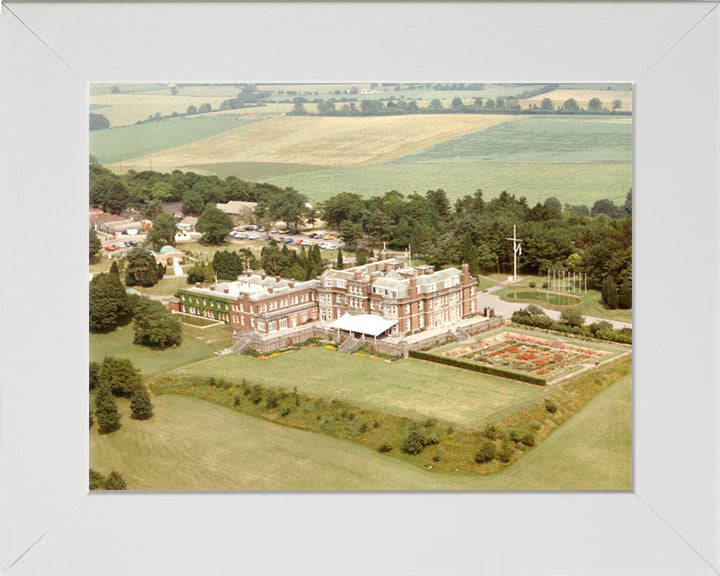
(50, 524)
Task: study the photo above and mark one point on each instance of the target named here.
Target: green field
(194, 445)
(570, 183)
(405, 387)
(196, 345)
(537, 139)
(125, 142)
(252, 171)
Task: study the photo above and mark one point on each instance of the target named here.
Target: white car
(252, 236)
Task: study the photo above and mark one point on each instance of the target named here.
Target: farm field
(126, 109)
(120, 144)
(537, 139)
(191, 444)
(570, 183)
(582, 97)
(404, 387)
(196, 345)
(323, 141)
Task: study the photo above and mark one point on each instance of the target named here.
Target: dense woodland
(595, 240)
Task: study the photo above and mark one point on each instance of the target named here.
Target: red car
(110, 248)
(299, 242)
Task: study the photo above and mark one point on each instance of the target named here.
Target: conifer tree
(339, 264)
(140, 404)
(106, 410)
(625, 296)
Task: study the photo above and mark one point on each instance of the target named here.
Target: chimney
(226, 290)
(270, 289)
(262, 277)
(382, 256)
(292, 283)
(277, 279)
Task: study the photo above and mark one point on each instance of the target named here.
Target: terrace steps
(350, 345)
(239, 346)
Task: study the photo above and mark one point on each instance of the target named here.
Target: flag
(519, 250)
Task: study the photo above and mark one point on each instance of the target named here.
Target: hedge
(492, 370)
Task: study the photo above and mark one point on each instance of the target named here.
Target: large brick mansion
(398, 298)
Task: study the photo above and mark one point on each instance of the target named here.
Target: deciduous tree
(214, 224)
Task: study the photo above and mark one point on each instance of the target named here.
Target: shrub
(572, 317)
(94, 371)
(256, 394)
(236, 401)
(285, 411)
(535, 426)
(491, 432)
(376, 424)
(515, 435)
(272, 399)
(414, 442)
(195, 275)
(528, 440)
(119, 375)
(437, 457)
(384, 447)
(485, 453)
(430, 422)
(97, 480)
(356, 427)
(505, 453)
(532, 284)
(550, 406)
(115, 481)
(545, 285)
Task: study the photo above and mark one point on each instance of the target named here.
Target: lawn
(573, 183)
(194, 445)
(405, 387)
(125, 142)
(196, 345)
(165, 287)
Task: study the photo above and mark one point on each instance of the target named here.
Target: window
(407, 308)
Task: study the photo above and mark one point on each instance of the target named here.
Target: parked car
(289, 240)
(253, 236)
(274, 231)
(110, 248)
(132, 243)
(329, 237)
(317, 235)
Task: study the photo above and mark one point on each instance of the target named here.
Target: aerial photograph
(370, 286)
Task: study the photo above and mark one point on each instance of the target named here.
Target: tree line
(480, 105)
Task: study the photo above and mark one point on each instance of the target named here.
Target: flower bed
(525, 353)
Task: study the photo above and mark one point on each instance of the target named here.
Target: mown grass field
(582, 97)
(571, 183)
(322, 141)
(196, 345)
(405, 387)
(191, 444)
(121, 144)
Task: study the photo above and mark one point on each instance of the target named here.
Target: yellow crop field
(582, 97)
(126, 109)
(323, 141)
